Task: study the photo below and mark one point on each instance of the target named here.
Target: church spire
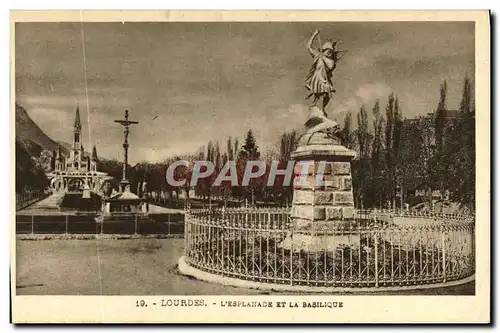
(77, 133)
(94, 153)
(78, 124)
(59, 154)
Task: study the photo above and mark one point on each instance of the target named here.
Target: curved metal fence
(369, 251)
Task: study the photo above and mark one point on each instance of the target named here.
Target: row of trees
(205, 189)
(435, 152)
(379, 145)
(455, 154)
(257, 189)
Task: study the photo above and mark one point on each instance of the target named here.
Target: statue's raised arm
(312, 51)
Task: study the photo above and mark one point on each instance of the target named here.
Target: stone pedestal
(323, 197)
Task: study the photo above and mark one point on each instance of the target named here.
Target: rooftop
(125, 196)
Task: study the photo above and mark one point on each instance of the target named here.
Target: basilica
(78, 171)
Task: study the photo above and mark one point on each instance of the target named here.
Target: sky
(188, 83)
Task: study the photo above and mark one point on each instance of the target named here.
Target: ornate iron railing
(412, 213)
(369, 251)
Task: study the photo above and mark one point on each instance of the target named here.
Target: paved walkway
(49, 205)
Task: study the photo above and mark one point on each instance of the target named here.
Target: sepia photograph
(249, 160)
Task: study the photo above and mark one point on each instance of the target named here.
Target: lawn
(123, 267)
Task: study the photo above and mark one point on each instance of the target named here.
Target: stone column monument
(323, 197)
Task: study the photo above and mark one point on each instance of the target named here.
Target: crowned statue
(319, 82)
(324, 200)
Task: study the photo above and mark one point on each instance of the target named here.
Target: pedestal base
(323, 201)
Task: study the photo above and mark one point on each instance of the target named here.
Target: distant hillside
(33, 151)
(32, 137)
(65, 145)
(29, 174)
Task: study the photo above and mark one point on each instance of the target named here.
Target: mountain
(33, 152)
(29, 174)
(31, 136)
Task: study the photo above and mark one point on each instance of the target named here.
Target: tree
(363, 167)
(378, 125)
(396, 137)
(199, 188)
(440, 116)
(427, 153)
(440, 124)
(288, 144)
(236, 146)
(229, 150)
(345, 133)
(208, 181)
(416, 155)
(113, 168)
(389, 130)
(459, 151)
(225, 186)
(249, 152)
(392, 144)
(376, 156)
(217, 161)
(363, 134)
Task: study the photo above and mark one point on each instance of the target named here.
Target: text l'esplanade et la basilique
(242, 303)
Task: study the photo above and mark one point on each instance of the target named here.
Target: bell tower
(77, 153)
(77, 131)
(94, 160)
